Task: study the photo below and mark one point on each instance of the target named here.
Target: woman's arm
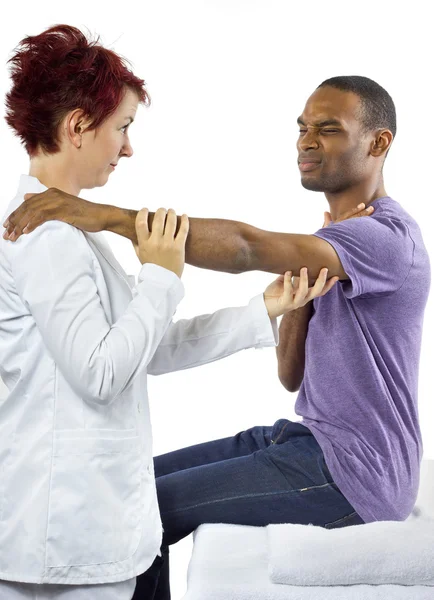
(193, 342)
(54, 274)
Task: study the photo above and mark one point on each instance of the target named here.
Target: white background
(228, 79)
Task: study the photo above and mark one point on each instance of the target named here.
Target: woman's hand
(359, 211)
(162, 246)
(287, 293)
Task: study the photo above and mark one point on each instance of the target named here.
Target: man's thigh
(282, 483)
(241, 444)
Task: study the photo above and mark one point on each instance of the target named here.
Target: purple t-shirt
(359, 392)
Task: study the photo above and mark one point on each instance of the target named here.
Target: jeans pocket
(283, 430)
(346, 521)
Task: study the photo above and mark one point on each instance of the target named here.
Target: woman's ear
(75, 124)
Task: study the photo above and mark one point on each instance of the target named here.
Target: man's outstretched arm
(217, 244)
(236, 247)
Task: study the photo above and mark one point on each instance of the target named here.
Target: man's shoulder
(388, 208)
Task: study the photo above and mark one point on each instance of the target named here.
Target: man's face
(102, 148)
(333, 150)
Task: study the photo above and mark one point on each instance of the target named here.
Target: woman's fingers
(319, 285)
(359, 211)
(303, 287)
(327, 219)
(288, 290)
(171, 222)
(181, 236)
(328, 286)
(159, 222)
(142, 228)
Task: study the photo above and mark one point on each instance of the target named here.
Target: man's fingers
(10, 220)
(13, 232)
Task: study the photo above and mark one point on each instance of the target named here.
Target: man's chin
(312, 185)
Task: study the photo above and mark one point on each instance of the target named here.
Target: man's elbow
(243, 258)
(290, 384)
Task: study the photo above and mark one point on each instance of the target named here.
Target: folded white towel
(230, 562)
(385, 552)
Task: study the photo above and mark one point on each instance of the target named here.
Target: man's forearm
(291, 349)
(216, 244)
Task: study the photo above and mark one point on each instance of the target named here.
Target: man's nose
(308, 140)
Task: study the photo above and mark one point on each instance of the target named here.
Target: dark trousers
(260, 476)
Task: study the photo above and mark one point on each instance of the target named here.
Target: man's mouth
(307, 165)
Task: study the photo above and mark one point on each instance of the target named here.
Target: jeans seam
(279, 435)
(176, 510)
(342, 519)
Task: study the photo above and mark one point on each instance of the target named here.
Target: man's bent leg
(286, 482)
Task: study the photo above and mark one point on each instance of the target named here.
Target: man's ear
(382, 142)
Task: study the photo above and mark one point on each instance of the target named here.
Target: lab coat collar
(29, 185)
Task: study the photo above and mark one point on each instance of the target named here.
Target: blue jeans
(260, 476)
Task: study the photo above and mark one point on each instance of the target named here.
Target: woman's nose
(127, 150)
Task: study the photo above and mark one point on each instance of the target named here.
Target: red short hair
(58, 71)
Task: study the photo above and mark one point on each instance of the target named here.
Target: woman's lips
(308, 166)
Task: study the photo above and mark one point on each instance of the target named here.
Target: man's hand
(53, 205)
(285, 294)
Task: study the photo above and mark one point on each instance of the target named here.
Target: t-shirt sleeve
(376, 253)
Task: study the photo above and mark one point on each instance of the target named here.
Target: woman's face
(102, 148)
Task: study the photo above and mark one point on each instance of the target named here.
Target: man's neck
(348, 199)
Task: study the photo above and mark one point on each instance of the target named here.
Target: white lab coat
(78, 500)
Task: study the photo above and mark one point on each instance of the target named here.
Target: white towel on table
(384, 552)
(230, 562)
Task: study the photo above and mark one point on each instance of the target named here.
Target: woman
(78, 509)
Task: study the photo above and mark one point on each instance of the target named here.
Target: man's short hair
(377, 107)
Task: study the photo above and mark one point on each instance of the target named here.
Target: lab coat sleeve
(54, 271)
(203, 339)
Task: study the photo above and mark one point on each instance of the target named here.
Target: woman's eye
(124, 128)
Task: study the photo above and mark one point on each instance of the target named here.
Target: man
(353, 353)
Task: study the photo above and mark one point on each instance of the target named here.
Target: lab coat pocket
(95, 500)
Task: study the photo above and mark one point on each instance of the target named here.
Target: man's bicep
(280, 252)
